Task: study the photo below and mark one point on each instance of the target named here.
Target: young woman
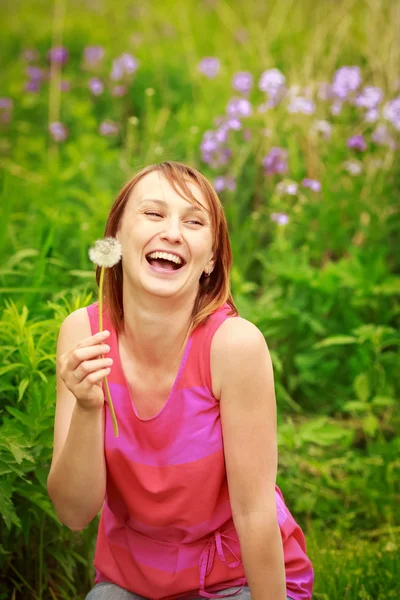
(190, 507)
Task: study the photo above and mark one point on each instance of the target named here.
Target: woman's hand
(83, 368)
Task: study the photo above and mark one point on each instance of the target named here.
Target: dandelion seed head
(106, 252)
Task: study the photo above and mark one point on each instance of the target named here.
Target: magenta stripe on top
(166, 529)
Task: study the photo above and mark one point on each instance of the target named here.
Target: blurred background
(292, 110)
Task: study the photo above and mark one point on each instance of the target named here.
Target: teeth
(166, 256)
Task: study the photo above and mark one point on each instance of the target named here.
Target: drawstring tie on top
(216, 542)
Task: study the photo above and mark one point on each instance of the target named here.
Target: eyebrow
(192, 207)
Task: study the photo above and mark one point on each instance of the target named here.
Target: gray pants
(109, 591)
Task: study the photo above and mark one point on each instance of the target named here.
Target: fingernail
(105, 332)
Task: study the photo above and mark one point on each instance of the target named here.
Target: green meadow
(292, 110)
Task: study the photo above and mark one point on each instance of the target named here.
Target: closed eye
(195, 222)
(153, 214)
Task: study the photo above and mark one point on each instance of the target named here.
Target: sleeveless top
(166, 528)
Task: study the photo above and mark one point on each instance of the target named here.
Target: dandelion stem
(108, 394)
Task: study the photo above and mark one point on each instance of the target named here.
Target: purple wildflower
(271, 81)
(301, 105)
(119, 90)
(96, 86)
(287, 187)
(276, 161)
(209, 66)
(35, 73)
(336, 108)
(357, 142)
(92, 56)
(242, 82)
(280, 218)
(224, 183)
(6, 106)
(58, 55)
(234, 124)
(58, 131)
(33, 85)
(369, 97)
(345, 81)
(108, 128)
(126, 64)
(382, 137)
(325, 91)
(354, 167)
(323, 127)
(391, 112)
(239, 107)
(65, 86)
(313, 184)
(209, 143)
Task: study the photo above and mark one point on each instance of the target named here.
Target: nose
(172, 231)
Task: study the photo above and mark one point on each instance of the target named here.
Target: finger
(89, 366)
(78, 355)
(97, 338)
(95, 377)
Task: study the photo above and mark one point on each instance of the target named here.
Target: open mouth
(165, 261)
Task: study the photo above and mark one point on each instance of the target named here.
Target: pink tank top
(166, 528)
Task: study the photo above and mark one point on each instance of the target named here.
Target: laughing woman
(190, 506)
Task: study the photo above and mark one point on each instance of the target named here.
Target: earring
(208, 272)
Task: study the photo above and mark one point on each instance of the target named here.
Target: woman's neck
(155, 331)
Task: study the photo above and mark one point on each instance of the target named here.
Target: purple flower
(271, 81)
(126, 64)
(301, 105)
(336, 108)
(209, 143)
(209, 66)
(382, 137)
(345, 81)
(96, 86)
(325, 91)
(234, 124)
(242, 82)
(58, 55)
(224, 183)
(35, 73)
(313, 184)
(33, 85)
(391, 112)
(280, 218)
(287, 187)
(324, 127)
(372, 115)
(65, 86)
(357, 142)
(92, 56)
(119, 90)
(276, 161)
(6, 104)
(239, 107)
(354, 167)
(108, 128)
(369, 97)
(58, 131)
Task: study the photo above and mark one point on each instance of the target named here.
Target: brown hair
(214, 290)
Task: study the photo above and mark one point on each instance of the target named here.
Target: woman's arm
(242, 369)
(77, 479)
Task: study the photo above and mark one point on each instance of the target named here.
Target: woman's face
(166, 241)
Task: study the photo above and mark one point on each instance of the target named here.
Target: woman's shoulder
(236, 342)
(77, 324)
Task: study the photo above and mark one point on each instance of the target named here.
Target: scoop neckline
(174, 385)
